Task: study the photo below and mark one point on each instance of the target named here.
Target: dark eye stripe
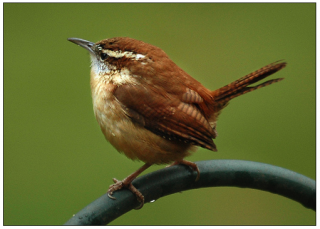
(104, 56)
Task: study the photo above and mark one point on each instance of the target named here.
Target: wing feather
(172, 116)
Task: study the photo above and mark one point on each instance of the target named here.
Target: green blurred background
(56, 160)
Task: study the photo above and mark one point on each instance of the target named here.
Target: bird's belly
(135, 141)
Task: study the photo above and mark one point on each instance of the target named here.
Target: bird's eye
(104, 56)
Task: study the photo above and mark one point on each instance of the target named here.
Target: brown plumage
(150, 109)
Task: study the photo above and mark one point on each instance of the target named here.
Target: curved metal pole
(214, 173)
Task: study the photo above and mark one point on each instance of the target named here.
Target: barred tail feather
(241, 86)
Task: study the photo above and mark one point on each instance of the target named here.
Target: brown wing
(174, 117)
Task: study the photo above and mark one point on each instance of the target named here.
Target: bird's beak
(83, 43)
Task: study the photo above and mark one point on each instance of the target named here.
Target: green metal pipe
(213, 173)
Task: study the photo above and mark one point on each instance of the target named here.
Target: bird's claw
(110, 196)
(192, 165)
(121, 184)
(114, 187)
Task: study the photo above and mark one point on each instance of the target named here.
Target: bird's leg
(127, 183)
(191, 164)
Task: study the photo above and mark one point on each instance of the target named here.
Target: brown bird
(150, 109)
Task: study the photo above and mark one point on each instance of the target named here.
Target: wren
(150, 109)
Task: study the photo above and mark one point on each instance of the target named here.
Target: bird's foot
(128, 185)
(191, 164)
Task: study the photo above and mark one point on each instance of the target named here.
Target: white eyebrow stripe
(119, 54)
(140, 56)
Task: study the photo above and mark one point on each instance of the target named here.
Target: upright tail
(241, 86)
